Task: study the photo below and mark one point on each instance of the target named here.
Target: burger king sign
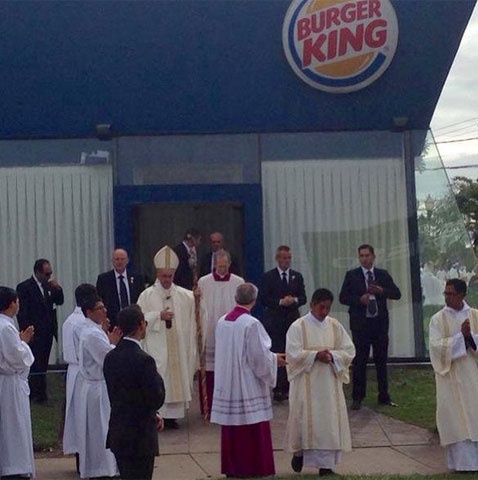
(340, 46)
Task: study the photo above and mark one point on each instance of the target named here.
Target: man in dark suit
(188, 259)
(38, 297)
(216, 240)
(366, 290)
(136, 392)
(282, 292)
(119, 287)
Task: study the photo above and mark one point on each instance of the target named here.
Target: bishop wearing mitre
(171, 335)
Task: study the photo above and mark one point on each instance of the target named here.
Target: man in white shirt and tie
(282, 292)
(366, 290)
(119, 287)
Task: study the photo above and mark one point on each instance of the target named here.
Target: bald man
(217, 244)
(119, 287)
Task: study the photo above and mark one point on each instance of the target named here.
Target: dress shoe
(297, 462)
(323, 472)
(171, 423)
(388, 403)
(356, 405)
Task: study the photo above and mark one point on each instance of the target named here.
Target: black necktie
(123, 292)
(372, 303)
(285, 284)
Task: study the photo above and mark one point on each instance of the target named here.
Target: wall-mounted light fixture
(103, 131)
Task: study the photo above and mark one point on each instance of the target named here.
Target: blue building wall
(209, 66)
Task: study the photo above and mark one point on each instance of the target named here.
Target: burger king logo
(340, 46)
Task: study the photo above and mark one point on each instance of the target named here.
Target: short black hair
(89, 303)
(83, 291)
(38, 266)
(458, 284)
(192, 233)
(368, 247)
(7, 296)
(322, 295)
(129, 319)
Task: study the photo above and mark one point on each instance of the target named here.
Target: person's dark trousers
(363, 340)
(135, 468)
(37, 378)
(277, 331)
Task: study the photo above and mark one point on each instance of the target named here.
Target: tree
(466, 195)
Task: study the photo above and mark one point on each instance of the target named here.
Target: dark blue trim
(250, 195)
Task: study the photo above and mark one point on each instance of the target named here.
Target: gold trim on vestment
(176, 392)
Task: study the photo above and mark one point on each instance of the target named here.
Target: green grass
(412, 388)
(47, 420)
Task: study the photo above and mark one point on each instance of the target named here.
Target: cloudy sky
(455, 120)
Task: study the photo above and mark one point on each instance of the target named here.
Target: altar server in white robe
(453, 336)
(171, 335)
(319, 352)
(218, 290)
(94, 407)
(245, 372)
(16, 444)
(71, 331)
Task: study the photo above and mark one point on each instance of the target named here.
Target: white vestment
(94, 406)
(71, 332)
(456, 376)
(174, 349)
(245, 371)
(318, 423)
(219, 297)
(16, 444)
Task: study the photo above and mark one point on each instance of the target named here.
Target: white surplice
(16, 444)
(71, 332)
(456, 376)
(174, 349)
(318, 422)
(93, 408)
(219, 297)
(245, 371)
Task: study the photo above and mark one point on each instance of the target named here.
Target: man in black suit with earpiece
(39, 295)
(366, 290)
(282, 292)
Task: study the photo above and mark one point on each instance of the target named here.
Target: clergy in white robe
(218, 290)
(453, 336)
(93, 407)
(16, 444)
(319, 352)
(245, 372)
(71, 332)
(171, 336)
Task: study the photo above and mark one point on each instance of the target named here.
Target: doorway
(164, 223)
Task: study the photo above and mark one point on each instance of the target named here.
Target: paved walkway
(380, 445)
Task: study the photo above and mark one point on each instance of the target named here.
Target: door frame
(125, 197)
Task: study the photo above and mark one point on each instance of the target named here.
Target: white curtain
(61, 213)
(325, 209)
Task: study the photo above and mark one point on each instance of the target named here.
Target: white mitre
(166, 258)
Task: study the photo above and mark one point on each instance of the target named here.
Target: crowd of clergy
(205, 324)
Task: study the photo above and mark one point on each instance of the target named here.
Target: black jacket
(136, 392)
(354, 287)
(107, 288)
